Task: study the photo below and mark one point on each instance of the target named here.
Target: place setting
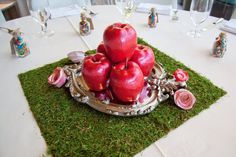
(94, 79)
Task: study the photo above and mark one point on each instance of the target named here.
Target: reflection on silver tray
(162, 86)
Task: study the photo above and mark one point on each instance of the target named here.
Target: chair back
(162, 2)
(2, 18)
(62, 3)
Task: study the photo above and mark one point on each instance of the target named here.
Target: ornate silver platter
(162, 85)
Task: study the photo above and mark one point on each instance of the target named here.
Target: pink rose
(58, 77)
(184, 99)
(180, 75)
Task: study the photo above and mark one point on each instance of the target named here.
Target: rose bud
(181, 75)
(57, 78)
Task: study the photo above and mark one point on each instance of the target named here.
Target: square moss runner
(73, 129)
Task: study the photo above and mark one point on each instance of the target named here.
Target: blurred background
(11, 9)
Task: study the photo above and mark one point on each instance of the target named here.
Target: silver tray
(161, 83)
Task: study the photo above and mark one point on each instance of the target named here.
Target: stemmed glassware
(199, 12)
(126, 7)
(174, 10)
(39, 10)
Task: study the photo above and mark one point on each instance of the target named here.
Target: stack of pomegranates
(119, 65)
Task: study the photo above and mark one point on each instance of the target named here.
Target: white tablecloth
(211, 133)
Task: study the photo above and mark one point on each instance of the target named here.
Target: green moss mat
(73, 129)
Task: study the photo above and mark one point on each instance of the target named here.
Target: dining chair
(103, 2)
(172, 3)
(2, 18)
(62, 3)
(162, 2)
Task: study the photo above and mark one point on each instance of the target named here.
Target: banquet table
(211, 133)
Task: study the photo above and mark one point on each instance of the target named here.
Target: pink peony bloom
(58, 77)
(184, 99)
(180, 75)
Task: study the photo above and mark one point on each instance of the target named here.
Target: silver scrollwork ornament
(162, 86)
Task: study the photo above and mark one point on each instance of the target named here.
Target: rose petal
(144, 94)
(50, 79)
(185, 100)
(104, 95)
(100, 95)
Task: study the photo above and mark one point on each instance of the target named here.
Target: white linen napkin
(161, 9)
(230, 26)
(65, 11)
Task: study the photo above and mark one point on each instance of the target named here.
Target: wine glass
(126, 8)
(40, 12)
(174, 10)
(199, 12)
